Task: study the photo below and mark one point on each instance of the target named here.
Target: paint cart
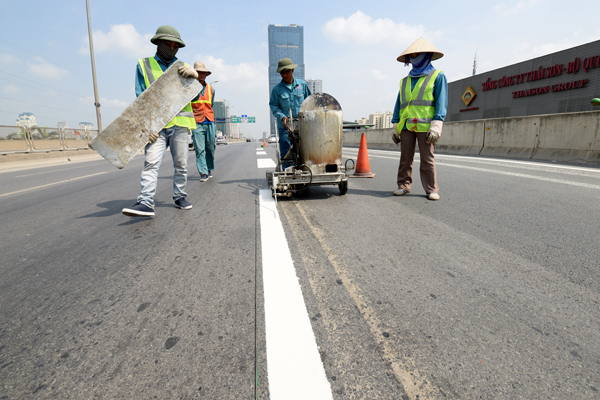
(315, 153)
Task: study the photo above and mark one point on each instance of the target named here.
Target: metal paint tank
(320, 129)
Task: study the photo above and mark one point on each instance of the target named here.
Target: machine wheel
(343, 187)
(303, 189)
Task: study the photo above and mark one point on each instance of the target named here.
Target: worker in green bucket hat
(287, 94)
(173, 136)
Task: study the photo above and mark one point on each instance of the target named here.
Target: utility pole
(475, 62)
(96, 101)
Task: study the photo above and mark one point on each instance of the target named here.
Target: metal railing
(21, 139)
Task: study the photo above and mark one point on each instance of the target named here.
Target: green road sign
(236, 120)
(251, 119)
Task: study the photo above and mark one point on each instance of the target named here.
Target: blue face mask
(421, 65)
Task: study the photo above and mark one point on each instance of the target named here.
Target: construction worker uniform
(283, 98)
(420, 101)
(174, 136)
(203, 135)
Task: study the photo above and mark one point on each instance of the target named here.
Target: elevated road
(491, 292)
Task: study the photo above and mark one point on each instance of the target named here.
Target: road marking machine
(315, 153)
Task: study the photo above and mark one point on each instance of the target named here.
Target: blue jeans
(204, 145)
(284, 146)
(175, 137)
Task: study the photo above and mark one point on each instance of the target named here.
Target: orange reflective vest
(203, 106)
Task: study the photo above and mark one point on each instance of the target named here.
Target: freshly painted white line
(265, 163)
(261, 153)
(294, 366)
(51, 184)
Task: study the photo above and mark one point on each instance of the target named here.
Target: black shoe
(203, 178)
(183, 204)
(209, 173)
(138, 210)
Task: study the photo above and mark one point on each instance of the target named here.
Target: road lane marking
(261, 153)
(51, 184)
(48, 172)
(294, 366)
(477, 159)
(541, 178)
(265, 163)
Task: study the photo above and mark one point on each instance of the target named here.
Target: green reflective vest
(152, 71)
(417, 106)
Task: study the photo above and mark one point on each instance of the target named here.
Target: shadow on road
(114, 207)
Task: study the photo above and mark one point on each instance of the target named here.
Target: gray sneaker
(203, 178)
(401, 192)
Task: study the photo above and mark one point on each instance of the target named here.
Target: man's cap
(420, 46)
(198, 66)
(285, 63)
(167, 32)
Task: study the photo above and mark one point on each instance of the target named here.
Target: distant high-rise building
(26, 119)
(221, 110)
(234, 131)
(86, 125)
(315, 85)
(285, 41)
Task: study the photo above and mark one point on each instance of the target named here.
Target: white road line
(476, 159)
(261, 153)
(51, 184)
(294, 366)
(541, 178)
(265, 163)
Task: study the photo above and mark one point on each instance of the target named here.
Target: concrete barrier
(465, 138)
(569, 137)
(380, 139)
(566, 137)
(511, 137)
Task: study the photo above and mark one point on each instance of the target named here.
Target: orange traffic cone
(264, 142)
(363, 169)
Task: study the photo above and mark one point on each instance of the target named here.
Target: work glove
(188, 71)
(435, 131)
(153, 137)
(396, 138)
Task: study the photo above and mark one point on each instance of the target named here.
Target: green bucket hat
(285, 63)
(167, 32)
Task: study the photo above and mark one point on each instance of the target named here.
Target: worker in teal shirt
(287, 94)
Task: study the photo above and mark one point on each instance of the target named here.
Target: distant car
(272, 139)
(248, 140)
(221, 140)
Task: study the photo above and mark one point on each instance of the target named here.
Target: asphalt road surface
(492, 292)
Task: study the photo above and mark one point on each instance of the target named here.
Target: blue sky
(352, 46)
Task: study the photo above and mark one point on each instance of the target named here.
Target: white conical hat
(420, 46)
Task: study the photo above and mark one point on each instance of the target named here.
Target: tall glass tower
(285, 41)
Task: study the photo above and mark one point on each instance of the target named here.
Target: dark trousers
(407, 154)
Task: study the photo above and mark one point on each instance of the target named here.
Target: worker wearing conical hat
(419, 115)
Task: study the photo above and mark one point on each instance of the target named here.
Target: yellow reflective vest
(152, 71)
(417, 106)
